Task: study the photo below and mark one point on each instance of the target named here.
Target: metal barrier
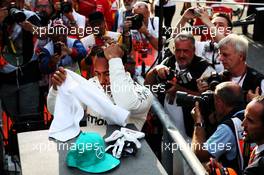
(177, 157)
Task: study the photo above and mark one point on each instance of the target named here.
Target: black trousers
(168, 13)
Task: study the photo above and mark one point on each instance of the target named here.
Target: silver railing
(177, 156)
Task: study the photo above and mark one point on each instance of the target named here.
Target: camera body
(214, 79)
(196, 11)
(14, 14)
(66, 7)
(183, 77)
(206, 101)
(137, 20)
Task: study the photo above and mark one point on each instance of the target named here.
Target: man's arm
(57, 79)
(153, 40)
(126, 93)
(221, 142)
(183, 20)
(199, 136)
(214, 33)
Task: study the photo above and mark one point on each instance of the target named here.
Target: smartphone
(57, 48)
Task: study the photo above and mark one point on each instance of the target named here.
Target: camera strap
(242, 77)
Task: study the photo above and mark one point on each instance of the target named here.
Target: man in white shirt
(124, 11)
(71, 17)
(142, 37)
(217, 28)
(111, 78)
(233, 50)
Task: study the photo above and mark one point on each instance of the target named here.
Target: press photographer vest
(227, 121)
(196, 69)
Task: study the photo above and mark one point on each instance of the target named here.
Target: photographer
(72, 19)
(124, 11)
(188, 68)
(100, 35)
(19, 73)
(222, 144)
(45, 10)
(111, 78)
(141, 33)
(218, 27)
(233, 54)
(61, 51)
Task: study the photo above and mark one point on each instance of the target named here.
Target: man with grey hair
(188, 67)
(233, 50)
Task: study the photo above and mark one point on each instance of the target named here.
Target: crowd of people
(206, 87)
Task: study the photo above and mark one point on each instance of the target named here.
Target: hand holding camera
(196, 113)
(202, 85)
(204, 13)
(61, 49)
(162, 71)
(136, 21)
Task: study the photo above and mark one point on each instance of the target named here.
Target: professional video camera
(206, 101)
(137, 20)
(14, 14)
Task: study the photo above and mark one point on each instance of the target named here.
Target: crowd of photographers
(202, 85)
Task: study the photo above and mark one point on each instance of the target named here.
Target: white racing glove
(124, 141)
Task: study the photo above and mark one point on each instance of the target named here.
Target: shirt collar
(259, 149)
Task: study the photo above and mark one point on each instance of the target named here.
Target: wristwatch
(200, 125)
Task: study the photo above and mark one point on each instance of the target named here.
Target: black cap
(96, 17)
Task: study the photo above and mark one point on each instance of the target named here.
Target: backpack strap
(152, 23)
(238, 134)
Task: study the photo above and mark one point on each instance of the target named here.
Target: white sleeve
(126, 93)
(81, 21)
(156, 24)
(154, 31)
(51, 99)
(262, 87)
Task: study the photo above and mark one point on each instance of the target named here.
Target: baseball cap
(88, 154)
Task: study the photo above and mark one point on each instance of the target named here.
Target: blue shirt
(223, 141)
